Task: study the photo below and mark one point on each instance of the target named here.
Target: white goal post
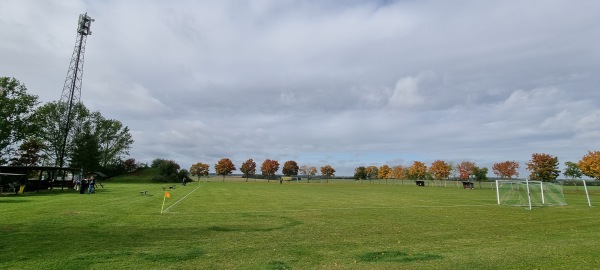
(529, 193)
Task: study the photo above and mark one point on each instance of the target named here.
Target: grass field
(259, 225)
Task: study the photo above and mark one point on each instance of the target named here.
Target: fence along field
(260, 225)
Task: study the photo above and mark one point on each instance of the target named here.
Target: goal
(529, 193)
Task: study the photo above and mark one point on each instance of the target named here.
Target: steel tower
(71, 93)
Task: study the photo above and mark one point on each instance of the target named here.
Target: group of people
(86, 184)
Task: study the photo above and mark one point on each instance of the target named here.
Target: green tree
(16, 109)
(479, 174)
(114, 139)
(248, 168)
(86, 152)
(167, 170)
(572, 172)
(360, 173)
(224, 167)
(543, 167)
(290, 168)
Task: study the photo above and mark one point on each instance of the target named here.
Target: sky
(341, 83)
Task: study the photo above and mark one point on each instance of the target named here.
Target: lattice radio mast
(71, 93)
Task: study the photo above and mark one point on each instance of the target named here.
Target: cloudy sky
(344, 83)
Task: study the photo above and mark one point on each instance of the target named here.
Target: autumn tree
(372, 172)
(440, 170)
(248, 168)
(16, 108)
(506, 169)
(465, 169)
(399, 173)
(269, 168)
(328, 172)
(385, 172)
(290, 168)
(590, 164)
(303, 170)
(312, 171)
(224, 167)
(479, 174)
(199, 169)
(543, 167)
(417, 171)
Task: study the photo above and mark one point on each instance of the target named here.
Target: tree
(86, 151)
(590, 164)
(465, 169)
(200, 169)
(167, 170)
(269, 168)
(440, 170)
(543, 167)
(479, 174)
(312, 171)
(328, 172)
(385, 172)
(248, 168)
(224, 167)
(360, 173)
(16, 109)
(30, 153)
(290, 168)
(130, 165)
(417, 171)
(303, 170)
(572, 172)
(399, 172)
(372, 172)
(506, 169)
(114, 139)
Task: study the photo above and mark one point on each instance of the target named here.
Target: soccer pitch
(260, 225)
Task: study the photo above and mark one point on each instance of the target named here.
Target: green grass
(259, 225)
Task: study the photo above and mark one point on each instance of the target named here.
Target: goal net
(529, 193)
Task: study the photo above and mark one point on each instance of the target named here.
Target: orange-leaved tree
(290, 168)
(372, 172)
(465, 169)
(417, 171)
(399, 173)
(328, 172)
(590, 164)
(543, 167)
(269, 168)
(248, 168)
(224, 167)
(199, 169)
(440, 170)
(385, 172)
(506, 169)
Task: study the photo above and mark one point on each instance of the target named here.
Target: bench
(143, 192)
(420, 183)
(468, 185)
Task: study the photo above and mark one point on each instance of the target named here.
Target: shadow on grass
(278, 265)
(397, 256)
(284, 223)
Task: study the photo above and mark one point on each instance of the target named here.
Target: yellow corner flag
(167, 195)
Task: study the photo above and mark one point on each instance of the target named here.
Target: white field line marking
(180, 199)
(332, 209)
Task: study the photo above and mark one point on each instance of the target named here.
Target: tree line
(541, 167)
(268, 169)
(31, 134)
